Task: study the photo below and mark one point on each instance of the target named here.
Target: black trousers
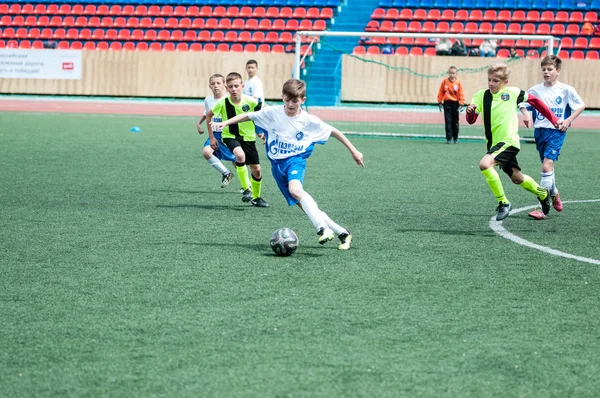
(451, 119)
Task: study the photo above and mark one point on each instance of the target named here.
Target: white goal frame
(308, 33)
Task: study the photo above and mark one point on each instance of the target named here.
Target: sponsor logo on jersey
(558, 100)
(245, 108)
(299, 135)
(505, 97)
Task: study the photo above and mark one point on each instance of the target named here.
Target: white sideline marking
(498, 228)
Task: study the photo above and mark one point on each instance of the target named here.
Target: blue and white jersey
(290, 136)
(561, 98)
(209, 103)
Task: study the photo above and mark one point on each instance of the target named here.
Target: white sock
(547, 180)
(331, 224)
(216, 163)
(311, 209)
(554, 190)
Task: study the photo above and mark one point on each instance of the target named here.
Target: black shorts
(249, 148)
(506, 157)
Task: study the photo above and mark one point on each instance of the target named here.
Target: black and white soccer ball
(284, 242)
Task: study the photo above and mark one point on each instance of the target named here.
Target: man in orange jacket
(450, 98)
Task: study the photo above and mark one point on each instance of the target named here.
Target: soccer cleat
(546, 202)
(503, 211)
(345, 240)
(247, 196)
(325, 235)
(557, 203)
(537, 214)
(226, 178)
(259, 202)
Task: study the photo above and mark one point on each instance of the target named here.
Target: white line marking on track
(498, 228)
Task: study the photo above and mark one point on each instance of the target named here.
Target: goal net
(387, 83)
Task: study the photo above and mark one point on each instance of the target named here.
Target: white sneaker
(325, 235)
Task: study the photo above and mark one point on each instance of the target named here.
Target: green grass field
(128, 272)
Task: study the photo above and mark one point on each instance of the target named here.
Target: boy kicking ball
(291, 134)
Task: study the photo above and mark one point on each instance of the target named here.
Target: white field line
(498, 228)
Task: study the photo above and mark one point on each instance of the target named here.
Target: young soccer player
(253, 86)
(239, 138)
(291, 136)
(450, 98)
(567, 105)
(498, 106)
(216, 83)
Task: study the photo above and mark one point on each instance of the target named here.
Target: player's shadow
(197, 192)
(259, 248)
(206, 207)
(448, 231)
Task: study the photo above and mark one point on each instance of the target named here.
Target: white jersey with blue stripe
(561, 98)
(209, 103)
(290, 136)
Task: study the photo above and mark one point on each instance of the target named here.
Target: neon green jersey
(228, 111)
(499, 114)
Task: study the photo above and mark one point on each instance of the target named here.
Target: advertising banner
(40, 64)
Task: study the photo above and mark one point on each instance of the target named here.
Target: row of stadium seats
(497, 4)
(502, 53)
(160, 22)
(238, 3)
(475, 28)
(483, 15)
(167, 11)
(148, 35)
(153, 46)
(566, 43)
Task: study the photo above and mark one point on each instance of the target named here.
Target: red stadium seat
(34, 33)
(211, 23)
(320, 25)
(278, 24)
(457, 27)
(219, 11)
(177, 35)
(250, 48)
(98, 34)
(231, 36)
(326, 13)
(54, 21)
(514, 29)
(567, 42)
(106, 22)
(21, 33)
(232, 12)
(533, 16)
(224, 24)
(485, 27)
(278, 48)
(591, 17)
(155, 46)
(25, 44)
(299, 13)
(193, 11)
(400, 26)
(244, 36)
(263, 48)
(195, 47)
(37, 44)
(115, 46)
(595, 43)
(89, 45)
(312, 13)
(93, 22)
(272, 12)
(265, 24)
(129, 46)
(59, 33)
(447, 15)
(503, 53)
(580, 43)
(391, 13)
(592, 55)
(401, 51)
(133, 22)
(561, 17)
(85, 34)
(429, 27)
(292, 24)
(373, 50)
(64, 9)
(119, 22)
(169, 46)
(124, 34)
(190, 35)
(414, 26)
(164, 35)
(238, 24)
(217, 36)
(442, 27)
(153, 11)
(547, 16)
(518, 16)
(31, 21)
(68, 21)
(359, 50)
(577, 54)
(141, 46)
(372, 26)
(490, 16)
(76, 45)
(172, 23)
(434, 15)
(72, 34)
(429, 52)
(137, 35)
(158, 23)
(406, 14)
(528, 29)
(205, 11)
(504, 16)
(179, 11)
(182, 47)
(210, 47)
(251, 24)
(416, 51)
(563, 54)
(204, 35)
(285, 37)
(419, 14)
(197, 23)
(258, 37)
(102, 10)
(286, 12)
(471, 27)
(476, 15)
(572, 30)
(386, 26)
(271, 37)
(557, 29)
(499, 28)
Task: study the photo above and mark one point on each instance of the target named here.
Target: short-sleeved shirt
(254, 88)
(209, 104)
(290, 136)
(499, 114)
(227, 110)
(561, 98)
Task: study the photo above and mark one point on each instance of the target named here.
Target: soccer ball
(284, 242)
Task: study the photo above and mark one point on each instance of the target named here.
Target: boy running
(216, 83)
(498, 105)
(291, 136)
(566, 105)
(240, 138)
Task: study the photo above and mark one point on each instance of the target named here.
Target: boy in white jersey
(566, 104)
(253, 86)
(216, 83)
(291, 136)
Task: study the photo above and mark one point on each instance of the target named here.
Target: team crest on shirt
(456, 87)
(299, 135)
(558, 100)
(245, 108)
(505, 97)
